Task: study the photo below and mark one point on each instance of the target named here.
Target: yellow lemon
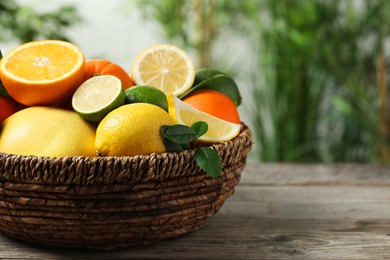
(132, 129)
(47, 131)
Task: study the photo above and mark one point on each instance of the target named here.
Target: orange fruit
(214, 103)
(42, 72)
(7, 107)
(98, 67)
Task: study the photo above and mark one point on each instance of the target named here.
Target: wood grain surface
(279, 211)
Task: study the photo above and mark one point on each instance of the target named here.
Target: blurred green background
(312, 73)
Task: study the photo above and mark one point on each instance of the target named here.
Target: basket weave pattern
(114, 202)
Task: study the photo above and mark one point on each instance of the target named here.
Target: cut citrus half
(42, 72)
(98, 96)
(165, 67)
(218, 130)
(214, 103)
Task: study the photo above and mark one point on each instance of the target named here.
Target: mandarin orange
(214, 103)
(97, 67)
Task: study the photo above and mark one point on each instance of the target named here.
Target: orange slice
(165, 67)
(219, 130)
(42, 72)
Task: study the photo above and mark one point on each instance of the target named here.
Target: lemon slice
(165, 67)
(98, 96)
(219, 130)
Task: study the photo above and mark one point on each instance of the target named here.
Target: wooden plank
(316, 174)
(310, 202)
(279, 211)
(266, 239)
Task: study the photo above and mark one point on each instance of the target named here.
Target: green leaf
(203, 83)
(164, 129)
(200, 128)
(180, 134)
(342, 105)
(170, 146)
(3, 92)
(173, 147)
(208, 159)
(185, 146)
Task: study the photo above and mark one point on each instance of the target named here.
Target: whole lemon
(131, 130)
(47, 131)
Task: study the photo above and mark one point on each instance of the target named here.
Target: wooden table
(279, 211)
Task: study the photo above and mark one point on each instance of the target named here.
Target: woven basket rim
(41, 169)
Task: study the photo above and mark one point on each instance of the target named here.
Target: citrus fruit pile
(54, 102)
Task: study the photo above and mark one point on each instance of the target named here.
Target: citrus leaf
(185, 146)
(209, 161)
(3, 92)
(203, 83)
(164, 129)
(200, 128)
(170, 146)
(180, 134)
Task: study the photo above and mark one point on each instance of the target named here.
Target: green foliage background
(318, 77)
(24, 24)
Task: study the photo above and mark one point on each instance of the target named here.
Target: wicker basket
(114, 202)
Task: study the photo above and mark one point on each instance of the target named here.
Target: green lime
(146, 94)
(98, 96)
(212, 79)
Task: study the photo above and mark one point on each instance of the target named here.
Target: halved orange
(42, 72)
